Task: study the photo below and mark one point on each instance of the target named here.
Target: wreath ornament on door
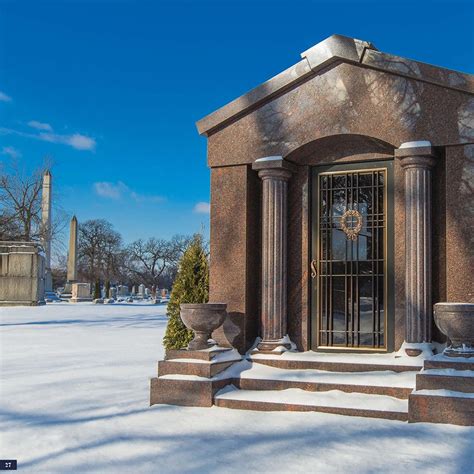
(351, 223)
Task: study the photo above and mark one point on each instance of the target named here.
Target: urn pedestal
(187, 377)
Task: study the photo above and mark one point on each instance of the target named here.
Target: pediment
(319, 59)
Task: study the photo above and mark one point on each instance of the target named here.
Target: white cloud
(202, 208)
(40, 125)
(11, 151)
(118, 190)
(4, 97)
(75, 140)
(110, 190)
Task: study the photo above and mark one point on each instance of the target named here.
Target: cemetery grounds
(74, 397)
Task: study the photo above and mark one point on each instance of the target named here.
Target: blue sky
(111, 90)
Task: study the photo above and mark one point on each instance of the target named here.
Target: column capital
(274, 167)
(420, 154)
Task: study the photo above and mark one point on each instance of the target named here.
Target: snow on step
(372, 378)
(332, 398)
(393, 358)
(448, 372)
(444, 393)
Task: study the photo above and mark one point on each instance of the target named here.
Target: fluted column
(275, 173)
(417, 159)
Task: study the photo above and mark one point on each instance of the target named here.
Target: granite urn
(456, 321)
(202, 319)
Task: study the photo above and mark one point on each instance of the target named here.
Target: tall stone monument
(72, 256)
(46, 228)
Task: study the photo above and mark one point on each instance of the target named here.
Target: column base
(414, 349)
(277, 347)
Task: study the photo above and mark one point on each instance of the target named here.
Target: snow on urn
(456, 321)
(202, 319)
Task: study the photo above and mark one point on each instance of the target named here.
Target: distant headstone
(122, 290)
(134, 290)
(141, 290)
(81, 292)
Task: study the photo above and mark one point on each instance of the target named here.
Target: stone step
(206, 355)
(187, 367)
(447, 379)
(442, 406)
(208, 365)
(441, 361)
(333, 401)
(339, 362)
(184, 390)
(389, 383)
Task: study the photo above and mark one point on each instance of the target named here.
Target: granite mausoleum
(341, 212)
(347, 129)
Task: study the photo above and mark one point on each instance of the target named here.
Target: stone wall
(21, 274)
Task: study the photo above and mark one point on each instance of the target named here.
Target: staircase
(376, 386)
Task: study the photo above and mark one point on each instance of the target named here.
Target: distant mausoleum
(22, 274)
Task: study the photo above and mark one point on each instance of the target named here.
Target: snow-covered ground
(74, 398)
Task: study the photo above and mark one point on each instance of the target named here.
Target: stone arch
(341, 148)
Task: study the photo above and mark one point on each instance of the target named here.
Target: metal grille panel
(351, 256)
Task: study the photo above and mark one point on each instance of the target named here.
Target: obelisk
(46, 228)
(72, 254)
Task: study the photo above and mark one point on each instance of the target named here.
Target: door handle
(314, 271)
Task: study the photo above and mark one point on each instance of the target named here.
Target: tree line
(102, 254)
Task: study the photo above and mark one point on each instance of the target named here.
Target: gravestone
(122, 290)
(141, 290)
(81, 292)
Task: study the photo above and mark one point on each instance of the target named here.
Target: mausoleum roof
(315, 60)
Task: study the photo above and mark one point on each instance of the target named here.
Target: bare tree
(147, 260)
(154, 261)
(20, 206)
(20, 201)
(100, 252)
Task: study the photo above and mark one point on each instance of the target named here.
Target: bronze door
(349, 265)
